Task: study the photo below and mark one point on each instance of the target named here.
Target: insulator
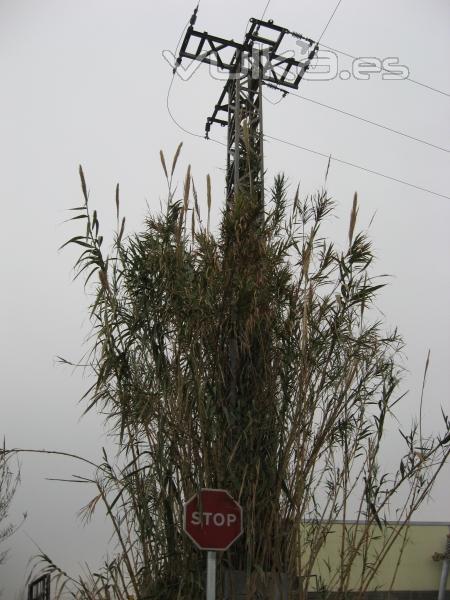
(313, 52)
(194, 16)
(174, 70)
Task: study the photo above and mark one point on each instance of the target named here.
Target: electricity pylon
(251, 64)
(259, 60)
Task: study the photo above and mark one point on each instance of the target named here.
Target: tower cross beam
(250, 64)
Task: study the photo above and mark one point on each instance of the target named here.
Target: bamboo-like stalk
(247, 360)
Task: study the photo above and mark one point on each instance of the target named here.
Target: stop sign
(212, 519)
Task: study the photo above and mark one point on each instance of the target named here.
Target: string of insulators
(192, 22)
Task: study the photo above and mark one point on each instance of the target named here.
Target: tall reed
(248, 360)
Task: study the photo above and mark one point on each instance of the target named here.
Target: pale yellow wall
(417, 569)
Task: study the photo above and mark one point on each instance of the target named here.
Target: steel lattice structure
(255, 62)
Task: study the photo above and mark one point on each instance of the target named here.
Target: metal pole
(444, 577)
(261, 144)
(237, 133)
(211, 576)
(445, 569)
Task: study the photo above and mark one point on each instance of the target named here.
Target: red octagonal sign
(215, 522)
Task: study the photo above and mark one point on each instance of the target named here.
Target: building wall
(417, 570)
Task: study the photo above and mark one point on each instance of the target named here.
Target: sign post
(213, 521)
(211, 576)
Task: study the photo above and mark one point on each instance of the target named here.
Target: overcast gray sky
(85, 82)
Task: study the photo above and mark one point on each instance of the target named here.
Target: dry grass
(248, 361)
(9, 480)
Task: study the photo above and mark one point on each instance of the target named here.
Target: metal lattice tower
(251, 64)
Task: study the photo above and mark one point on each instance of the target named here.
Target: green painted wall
(417, 570)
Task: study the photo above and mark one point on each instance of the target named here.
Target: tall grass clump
(248, 360)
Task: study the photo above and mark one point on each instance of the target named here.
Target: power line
(351, 164)
(335, 159)
(329, 20)
(192, 133)
(265, 10)
(414, 81)
(171, 114)
(169, 90)
(365, 120)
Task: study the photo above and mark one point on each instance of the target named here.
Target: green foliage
(246, 360)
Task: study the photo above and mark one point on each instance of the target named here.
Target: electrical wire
(365, 120)
(169, 91)
(331, 158)
(329, 21)
(192, 133)
(354, 165)
(414, 81)
(265, 10)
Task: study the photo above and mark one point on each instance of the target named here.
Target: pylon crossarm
(215, 52)
(253, 34)
(282, 71)
(258, 50)
(255, 62)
